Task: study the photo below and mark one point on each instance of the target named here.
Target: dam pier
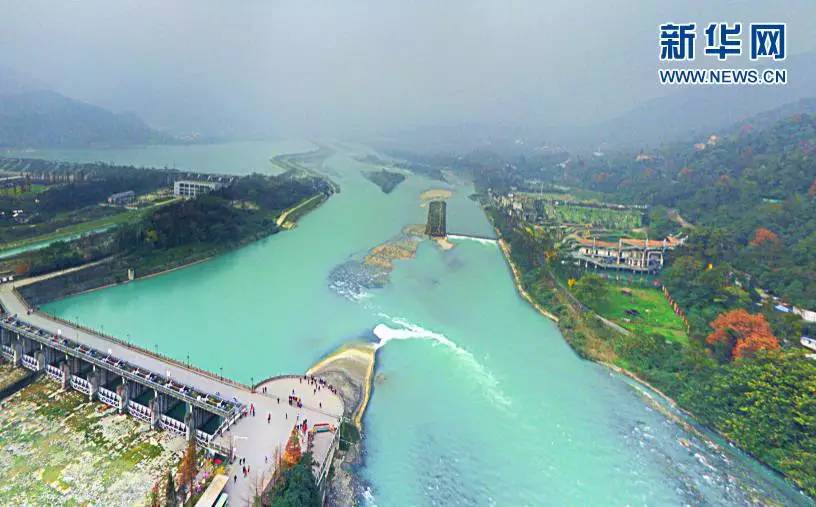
(436, 226)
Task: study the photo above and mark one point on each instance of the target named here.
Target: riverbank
(652, 363)
(288, 218)
(115, 271)
(505, 248)
(350, 369)
(139, 264)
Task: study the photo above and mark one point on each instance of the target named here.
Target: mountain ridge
(47, 119)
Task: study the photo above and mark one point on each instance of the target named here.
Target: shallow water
(477, 400)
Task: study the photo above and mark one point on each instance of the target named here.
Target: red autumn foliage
(762, 236)
(812, 189)
(188, 468)
(748, 332)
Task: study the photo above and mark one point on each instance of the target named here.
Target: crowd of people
(295, 401)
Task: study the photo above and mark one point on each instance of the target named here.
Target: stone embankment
(350, 369)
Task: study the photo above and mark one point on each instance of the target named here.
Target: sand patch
(402, 247)
(443, 243)
(435, 194)
(349, 369)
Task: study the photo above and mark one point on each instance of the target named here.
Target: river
(477, 399)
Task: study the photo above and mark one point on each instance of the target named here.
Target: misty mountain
(45, 119)
(697, 111)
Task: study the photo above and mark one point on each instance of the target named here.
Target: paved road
(253, 437)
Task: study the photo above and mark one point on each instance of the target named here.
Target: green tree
(297, 487)
(590, 289)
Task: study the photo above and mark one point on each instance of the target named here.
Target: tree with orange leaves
(293, 452)
(189, 466)
(740, 334)
(763, 235)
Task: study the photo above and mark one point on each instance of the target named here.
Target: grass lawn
(655, 316)
(33, 189)
(610, 218)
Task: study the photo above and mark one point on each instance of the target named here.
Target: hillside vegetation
(746, 201)
(44, 119)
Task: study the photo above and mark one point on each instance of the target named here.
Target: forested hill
(754, 190)
(45, 119)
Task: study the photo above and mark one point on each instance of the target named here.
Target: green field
(84, 227)
(595, 217)
(655, 314)
(33, 189)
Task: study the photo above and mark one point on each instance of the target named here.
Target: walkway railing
(326, 465)
(305, 405)
(8, 352)
(207, 402)
(223, 450)
(137, 348)
(225, 425)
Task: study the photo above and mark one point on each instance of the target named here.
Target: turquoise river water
(477, 401)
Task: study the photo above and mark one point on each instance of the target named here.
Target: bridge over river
(172, 396)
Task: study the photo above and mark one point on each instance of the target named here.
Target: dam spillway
(218, 413)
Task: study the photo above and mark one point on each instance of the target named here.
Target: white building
(642, 255)
(190, 188)
(122, 198)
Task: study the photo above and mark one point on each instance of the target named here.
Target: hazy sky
(359, 64)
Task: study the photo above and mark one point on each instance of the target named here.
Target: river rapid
(477, 399)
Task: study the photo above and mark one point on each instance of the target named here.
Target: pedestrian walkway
(252, 438)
